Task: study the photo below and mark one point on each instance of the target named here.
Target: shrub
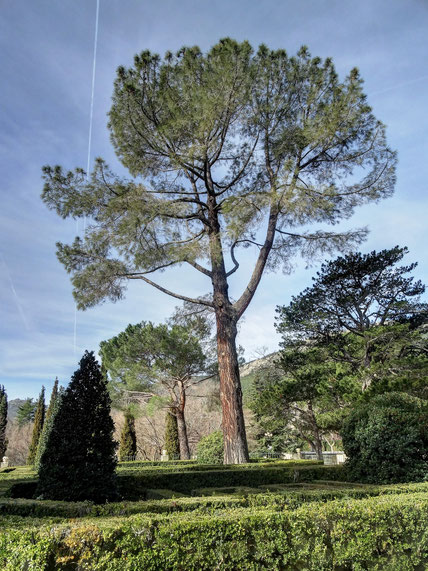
(210, 449)
(386, 439)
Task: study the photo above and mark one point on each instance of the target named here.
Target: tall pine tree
(79, 460)
(128, 439)
(39, 419)
(3, 420)
(172, 444)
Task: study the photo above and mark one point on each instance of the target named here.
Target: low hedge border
(189, 467)
(385, 533)
(277, 501)
(134, 486)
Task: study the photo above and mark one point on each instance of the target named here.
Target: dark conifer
(39, 420)
(3, 421)
(128, 439)
(49, 418)
(79, 460)
(172, 444)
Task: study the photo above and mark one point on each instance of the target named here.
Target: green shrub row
(165, 467)
(133, 486)
(278, 500)
(385, 533)
(145, 463)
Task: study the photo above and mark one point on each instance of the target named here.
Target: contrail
(91, 115)
(398, 85)
(15, 295)
(88, 162)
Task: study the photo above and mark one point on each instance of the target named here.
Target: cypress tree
(172, 444)
(3, 421)
(128, 439)
(54, 403)
(54, 396)
(79, 460)
(39, 419)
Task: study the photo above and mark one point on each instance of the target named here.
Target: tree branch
(169, 292)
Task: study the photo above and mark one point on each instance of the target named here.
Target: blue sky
(46, 69)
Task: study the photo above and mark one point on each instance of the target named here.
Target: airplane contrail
(15, 295)
(398, 85)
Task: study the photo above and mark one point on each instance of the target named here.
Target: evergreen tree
(54, 396)
(3, 420)
(79, 460)
(26, 412)
(49, 420)
(128, 439)
(39, 419)
(172, 444)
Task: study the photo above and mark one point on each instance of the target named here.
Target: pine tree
(79, 460)
(26, 411)
(172, 445)
(39, 420)
(128, 439)
(3, 420)
(54, 403)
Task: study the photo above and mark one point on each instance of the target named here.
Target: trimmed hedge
(164, 467)
(134, 486)
(386, 533)
(278, 500)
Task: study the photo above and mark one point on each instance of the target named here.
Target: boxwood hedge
(385, 533)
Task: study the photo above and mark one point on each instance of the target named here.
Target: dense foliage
(210, 449)
(39, 420)
(386, 439)
(3, 421)
(128, 439)
(79, 459)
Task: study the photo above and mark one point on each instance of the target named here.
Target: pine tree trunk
(235, 441)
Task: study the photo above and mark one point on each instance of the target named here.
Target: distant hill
(248, 370)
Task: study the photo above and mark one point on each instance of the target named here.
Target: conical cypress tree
(39, 419)
(54, 403)
(172, 444)
(79, 460)
(54, 396)
(128, 439)
(3, 421)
